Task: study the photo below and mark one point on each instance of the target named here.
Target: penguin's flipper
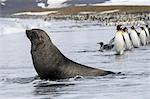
(149, 30)
(111, 41)
(138, 33)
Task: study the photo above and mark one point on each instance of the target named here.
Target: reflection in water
(51, 89)
(19, 80)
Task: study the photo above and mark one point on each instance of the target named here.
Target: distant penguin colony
(126, 41)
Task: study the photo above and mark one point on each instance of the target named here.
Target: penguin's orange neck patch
(119, 33)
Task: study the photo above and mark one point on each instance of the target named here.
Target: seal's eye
(32, 32)
(34, 35)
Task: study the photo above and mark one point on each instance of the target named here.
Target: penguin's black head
(132, 27)
(142, 28)
(146, 26)
(119, 27)
(125, 29)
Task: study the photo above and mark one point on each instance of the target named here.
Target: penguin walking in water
(143, 36)
(128, 43)
(119, 41)
(134, 37)
(147, 30)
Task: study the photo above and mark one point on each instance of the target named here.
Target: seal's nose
(28, 33)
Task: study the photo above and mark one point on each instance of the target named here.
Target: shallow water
(78, 42)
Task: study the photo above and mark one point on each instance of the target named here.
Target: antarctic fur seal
(51, 64)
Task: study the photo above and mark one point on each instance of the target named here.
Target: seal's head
(37, 36)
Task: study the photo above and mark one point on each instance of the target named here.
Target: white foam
(11, 26)
(2, 2)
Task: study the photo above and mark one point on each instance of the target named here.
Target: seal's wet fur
(50, 63)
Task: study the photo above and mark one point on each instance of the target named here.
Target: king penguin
(143, 36)
(134, 38)
(128, 43)
(119, 41)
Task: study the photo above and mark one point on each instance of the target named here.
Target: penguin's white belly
(119, 44)
(135, 39)
(143, 38)
(128, 43)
